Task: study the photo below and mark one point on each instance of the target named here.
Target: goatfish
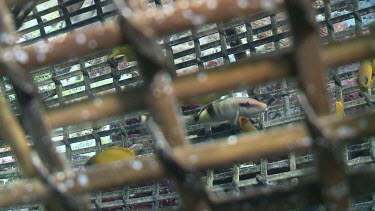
(340, 108)
(365, 71)
(227, 109)
(125, 50)
(113, 153)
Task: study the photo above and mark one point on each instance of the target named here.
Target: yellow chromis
(365, 72)
(245, 125)
(340, 108)
(111, 154)
(126, 50)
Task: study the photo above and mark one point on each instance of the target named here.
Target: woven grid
(193, 50)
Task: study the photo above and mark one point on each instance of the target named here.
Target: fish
(365, 72)
(227, 109)
(126, 50)
(340, 108)
(245, 125)
(112, 154)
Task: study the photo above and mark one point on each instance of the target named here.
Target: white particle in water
(126, 12)
(62, 187)
(69, 183)
(243, 3)
(40, 57)
(267, 5)
(137, 165)
(21, 56)
(187, 14)
(346, 132)
(212, 4)
(98, 102)
(83, 180)
(202, 77)
(168, 10)
(232, 140)
(7, 56)
(6, 38)
(168, 89)
(60, 39)
(306, 141)
(198, 19)
(338, 191)
(165, 78)
(193, 158)
(42, 48)
(81, 38)
(85, 114)
(93, 44)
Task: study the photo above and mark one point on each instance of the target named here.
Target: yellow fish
(126, 50)
(111, 154)
(340, 108)
(245, 125)
(365, 72)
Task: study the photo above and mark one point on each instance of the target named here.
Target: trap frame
(99, 103)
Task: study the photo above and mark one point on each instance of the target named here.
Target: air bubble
(85, 114)
(21, 56)
(198, 19)
(346, 132)
(69, 183)
(93, 44)
(212, 4)
(267, 5)
(232, 140)
(83, 180)
(81, 38)
(202, 77)
(193, 159)
(137, 165)
(243, 4)
(98, 102)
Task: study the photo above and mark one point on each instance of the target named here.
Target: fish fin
(340, 108)
(245, 125)
(197, 116)
(125, 50)
(236, 119)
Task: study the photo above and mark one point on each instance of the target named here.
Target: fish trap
(64, 99)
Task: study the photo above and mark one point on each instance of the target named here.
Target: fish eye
(366, 80)
(247, 104)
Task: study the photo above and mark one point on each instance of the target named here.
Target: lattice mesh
(193, 50)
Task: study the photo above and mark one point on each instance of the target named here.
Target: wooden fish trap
(303, 157)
